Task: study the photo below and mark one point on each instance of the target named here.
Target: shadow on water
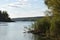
(30, 36)
(38, 37)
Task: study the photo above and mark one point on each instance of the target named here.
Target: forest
(4, 17)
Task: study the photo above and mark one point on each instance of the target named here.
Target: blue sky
(23, 8)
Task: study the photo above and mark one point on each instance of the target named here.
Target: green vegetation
(50, 24)
(4, 17)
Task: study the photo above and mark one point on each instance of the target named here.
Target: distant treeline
(4, 17)
(27, 19)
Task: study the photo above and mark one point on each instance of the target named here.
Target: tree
(4, 16)
(54, 6)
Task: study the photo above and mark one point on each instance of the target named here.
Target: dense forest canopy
(54, 6)
(4, 17)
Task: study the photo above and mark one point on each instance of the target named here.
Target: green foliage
(50, 24)
(41, 25)
(54, 5)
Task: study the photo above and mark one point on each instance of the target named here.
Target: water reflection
(3, 24)
(14, 31)
(39, 37)
(3, 30)
(30, 36)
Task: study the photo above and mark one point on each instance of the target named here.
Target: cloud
(22, 8)
(20, 3)
(16, 4)
(27, 14)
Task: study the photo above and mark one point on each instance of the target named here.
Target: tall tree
(54, 6)
(4, 16)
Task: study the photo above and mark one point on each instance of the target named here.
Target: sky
(23, 8)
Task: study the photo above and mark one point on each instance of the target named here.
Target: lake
(14, 31)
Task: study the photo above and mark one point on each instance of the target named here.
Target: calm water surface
(14, 31)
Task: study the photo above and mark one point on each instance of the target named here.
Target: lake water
(14, 31)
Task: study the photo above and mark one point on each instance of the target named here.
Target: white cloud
(31, 13)
(15, 9)
(20, 3)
